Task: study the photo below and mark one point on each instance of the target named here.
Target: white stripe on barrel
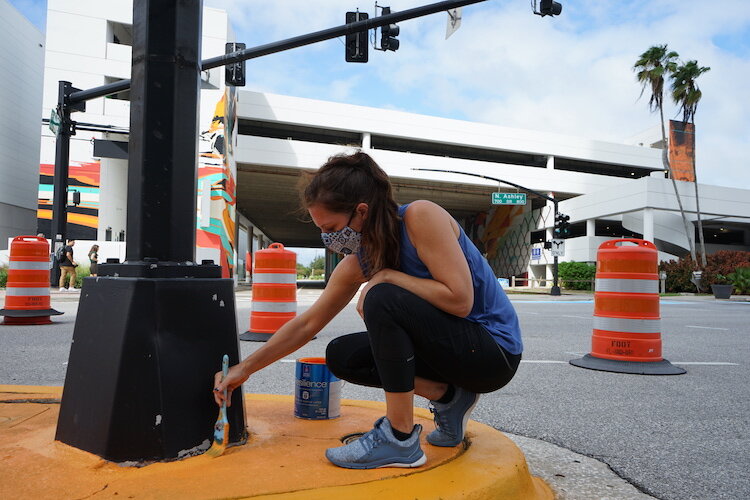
(627, 325)
(275, 278)
(276, 307)
(27, 265)
(627, 285)
(13, 291)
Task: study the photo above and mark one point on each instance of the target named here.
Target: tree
(651, 67)
(686, 94)
(318, 262)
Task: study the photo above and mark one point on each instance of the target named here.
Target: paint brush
(221, 428)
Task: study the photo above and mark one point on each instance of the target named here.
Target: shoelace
(371, 439)
(441, 422)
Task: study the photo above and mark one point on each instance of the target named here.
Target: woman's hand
(234, 379)
(379, 277)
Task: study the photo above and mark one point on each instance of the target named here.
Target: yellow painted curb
(282, 460)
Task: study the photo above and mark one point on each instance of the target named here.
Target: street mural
(217, 171)
(83, 220)
(502, 235)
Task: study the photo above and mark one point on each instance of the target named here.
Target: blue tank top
(492, 309)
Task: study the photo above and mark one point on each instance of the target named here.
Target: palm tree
(686, 94)
(651, 67)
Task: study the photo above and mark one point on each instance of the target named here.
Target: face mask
(345, 241)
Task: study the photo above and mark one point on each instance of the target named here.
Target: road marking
(579, 317)
(705, 363)
(706, 327)
(544, 361)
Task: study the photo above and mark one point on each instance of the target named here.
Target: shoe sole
(417, 463)
(451, 444)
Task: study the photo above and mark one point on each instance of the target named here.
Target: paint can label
(317, 391)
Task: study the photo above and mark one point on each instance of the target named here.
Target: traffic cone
(627, 326)
(27, 298)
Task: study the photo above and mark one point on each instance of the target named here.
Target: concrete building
(21, 69)
(247, 197)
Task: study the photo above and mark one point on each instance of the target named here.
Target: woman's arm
(343, 284)
(434, 234)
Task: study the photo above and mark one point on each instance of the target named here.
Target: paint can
(317, 391)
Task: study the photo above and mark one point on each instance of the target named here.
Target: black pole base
(255, 336)
(662, 367)
(555, 291)
(139, 385)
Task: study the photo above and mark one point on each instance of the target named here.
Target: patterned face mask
(345, 241)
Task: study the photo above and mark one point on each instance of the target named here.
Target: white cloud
(571, 74)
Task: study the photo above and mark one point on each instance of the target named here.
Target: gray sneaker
(379, 448)
(451, 418)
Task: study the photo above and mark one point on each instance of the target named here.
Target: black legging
(407, 337)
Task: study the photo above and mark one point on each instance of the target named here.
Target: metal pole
(163, 149)
(555, 269)
(58, 226)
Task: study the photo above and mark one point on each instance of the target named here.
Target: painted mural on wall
(83, 220)
(217, 173)
(502, 235)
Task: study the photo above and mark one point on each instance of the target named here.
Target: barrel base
(27, 317)
(259, 337)
(662, 367)
(255, 336)
(28, 313)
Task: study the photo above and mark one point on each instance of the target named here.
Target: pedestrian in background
(94, 258)
(68, 267)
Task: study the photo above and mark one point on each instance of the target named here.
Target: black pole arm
(327, 34)
(537, 193)
(555, 286)
(289, 43)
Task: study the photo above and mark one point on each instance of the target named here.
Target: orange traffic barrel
(274, 292)
(627, 326)
(27, 300)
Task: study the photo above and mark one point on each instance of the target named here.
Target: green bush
(718, 267)
(741, 280)
(570, 272)
(82, 271)
(3, 276)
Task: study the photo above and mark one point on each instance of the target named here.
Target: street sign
(509, 198)
(54, 122)
(558, 248)
(536, 254)
(454, 22)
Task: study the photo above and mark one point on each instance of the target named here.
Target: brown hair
(345, 181)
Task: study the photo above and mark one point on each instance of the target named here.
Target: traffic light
(562, 226)
(549, 8)
(356, 43)
(388, 34)
(234, 73)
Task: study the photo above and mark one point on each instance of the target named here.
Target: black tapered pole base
(139, 384)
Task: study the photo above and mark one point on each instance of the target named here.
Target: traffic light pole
(555, 290)
(290, 43)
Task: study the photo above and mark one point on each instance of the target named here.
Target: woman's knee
(382, 298)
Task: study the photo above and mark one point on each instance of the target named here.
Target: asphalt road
(673, 437)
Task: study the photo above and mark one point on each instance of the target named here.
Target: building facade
(254, 147)
(21, 70)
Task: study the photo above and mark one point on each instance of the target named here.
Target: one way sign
(558, 247)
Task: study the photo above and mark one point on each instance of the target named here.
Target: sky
(570, 74)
